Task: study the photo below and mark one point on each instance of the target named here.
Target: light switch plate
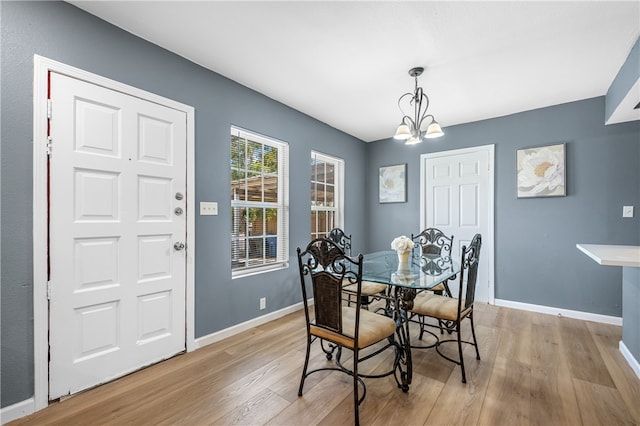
(208, 208)
(627, 211)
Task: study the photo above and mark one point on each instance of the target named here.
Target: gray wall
(64, 33)
(536, 260)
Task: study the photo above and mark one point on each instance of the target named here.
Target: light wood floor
(536, 369)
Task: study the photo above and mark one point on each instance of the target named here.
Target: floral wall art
(392, 187)
(541, 171)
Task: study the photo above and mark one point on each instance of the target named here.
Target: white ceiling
(346, 63)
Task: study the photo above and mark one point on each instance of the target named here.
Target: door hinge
(49, 144)
(49, 109)
(48, 290)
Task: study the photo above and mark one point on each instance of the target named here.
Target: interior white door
(117, 282)
(457, 199)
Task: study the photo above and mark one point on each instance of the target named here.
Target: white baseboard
(587, 316)
(17, 410)
(239, 328)
(633, 363)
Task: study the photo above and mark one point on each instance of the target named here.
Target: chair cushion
(373, 328)
(368, 288)
(436, 306)
(439, 287)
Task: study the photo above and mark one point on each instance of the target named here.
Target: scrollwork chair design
(370, 290)
(433, 244)
(325, 268)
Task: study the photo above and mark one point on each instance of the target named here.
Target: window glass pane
(331, 221)
(271, 248)
(314, 169)
(271, 189)
(254, 156)
(238, 152)
(270, 159)
(314, 223)
(255, 215)
(320, 195)
(256, 248)
(330, 196)
(238, 185)
(330, 173)
(314, 195)
(320, 166)
(271, 221)
(322, 222)
(254, 187)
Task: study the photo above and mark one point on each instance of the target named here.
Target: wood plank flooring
(536, 369)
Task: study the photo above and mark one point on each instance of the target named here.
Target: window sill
(259, 270)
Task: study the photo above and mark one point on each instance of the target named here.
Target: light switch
(627, 211)
(208, 208)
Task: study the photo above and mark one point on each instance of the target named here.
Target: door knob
(179, 246)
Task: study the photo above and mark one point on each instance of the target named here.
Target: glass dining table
(405, 280)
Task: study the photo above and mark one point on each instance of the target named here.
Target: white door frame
(488, 240)
(42, 66)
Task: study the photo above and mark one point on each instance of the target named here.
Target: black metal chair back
(469, 260)
(341, 239)
(433, 241)
(326, 265)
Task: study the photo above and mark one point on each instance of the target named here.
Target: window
(327, 182)
(259, 203)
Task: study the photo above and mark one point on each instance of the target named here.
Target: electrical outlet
(209, 208)
(627, 211)
(263, 303)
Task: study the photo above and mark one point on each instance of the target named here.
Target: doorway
(457, 197)
(113, 276)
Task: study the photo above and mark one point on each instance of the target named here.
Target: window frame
(281, 205)
(338, 208)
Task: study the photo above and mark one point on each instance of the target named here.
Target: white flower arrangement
(402, 243)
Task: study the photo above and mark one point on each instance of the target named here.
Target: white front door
(457, 198)
(117, 283)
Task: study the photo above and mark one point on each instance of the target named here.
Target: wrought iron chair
(433, 243)
(450, 312)
(325, 266)
(370, 289)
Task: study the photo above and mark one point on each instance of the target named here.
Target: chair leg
(464, 377)
(356, 402)
(306, 364)
(421, 321)
(364, 302)
(473, 333)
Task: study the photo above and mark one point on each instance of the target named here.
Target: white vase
(403, 260)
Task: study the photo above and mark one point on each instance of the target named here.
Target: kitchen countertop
(612, 255)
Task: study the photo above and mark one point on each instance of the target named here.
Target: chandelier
(410, 129)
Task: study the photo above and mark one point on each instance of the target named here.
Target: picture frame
(541, 171)
(392, 184)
